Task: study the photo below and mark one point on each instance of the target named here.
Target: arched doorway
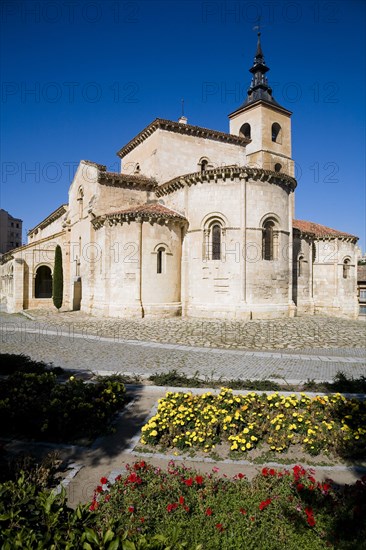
(43, 282)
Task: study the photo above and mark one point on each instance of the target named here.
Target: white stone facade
(197, 223)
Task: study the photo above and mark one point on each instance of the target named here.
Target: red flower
(219, 526)
(299, 486)
(325, 487)
(131, 509)
(311, 521)
(265, 503)
(252, 518)
(186, 508)
(240, 475)
(99, 489)
(272, 472)
(134, 478)
(181, 500)
(139, 465)
(188, 482)
(118, 478)
(199, 480)
(103, 480)
(208, 512)
(172, 507)
(93, 506)
(142, 520)
(265, 472)
(107, 498)
(310, 516)
(312, 479)
(242, 511)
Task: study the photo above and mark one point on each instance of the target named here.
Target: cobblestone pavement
(292, 349)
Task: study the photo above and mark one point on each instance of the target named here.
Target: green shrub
(57, 279)
(11, 363)
(38, 406)
(31, 518)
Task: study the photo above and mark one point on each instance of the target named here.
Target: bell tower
(264, 121)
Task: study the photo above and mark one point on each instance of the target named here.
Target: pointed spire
(259, 88)
(258, 53)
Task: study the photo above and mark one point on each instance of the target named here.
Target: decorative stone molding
(227, 172)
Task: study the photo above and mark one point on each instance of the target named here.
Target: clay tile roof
(155, 209)
(318, 230)
(146, 212)
(125, 180)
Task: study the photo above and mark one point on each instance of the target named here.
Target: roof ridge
(171, 125)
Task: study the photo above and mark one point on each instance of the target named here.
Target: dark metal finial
(182, 100)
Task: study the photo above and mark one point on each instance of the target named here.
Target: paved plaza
(288, 349)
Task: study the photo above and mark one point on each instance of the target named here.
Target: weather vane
(182, 100)
(257, 27)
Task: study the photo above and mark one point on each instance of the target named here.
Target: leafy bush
(38, 406)
(31, 517)
(331, 424)
(11, 363)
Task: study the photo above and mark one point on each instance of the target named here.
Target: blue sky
(81, 77)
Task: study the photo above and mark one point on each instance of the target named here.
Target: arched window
(278, 167)
(43, 282)
(204, 164)
(80, 199)
(160, 260)
(269, 240)
(216, 241)
(346, 268)
(276, 132)
(137, 168)
(300, 269)
(245, 131)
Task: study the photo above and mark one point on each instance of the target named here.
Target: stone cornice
(178, 127)
(313, 237)
(223, 173)
(51, 218)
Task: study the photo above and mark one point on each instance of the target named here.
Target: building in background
(10, 232)
(361, 287)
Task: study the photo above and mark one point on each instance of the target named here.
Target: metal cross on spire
(257, 27)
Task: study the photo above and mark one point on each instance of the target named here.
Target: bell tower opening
(264, 121)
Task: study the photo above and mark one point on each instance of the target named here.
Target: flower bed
(328, 424)
(278, 509)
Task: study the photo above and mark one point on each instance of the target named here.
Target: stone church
(197, 223)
